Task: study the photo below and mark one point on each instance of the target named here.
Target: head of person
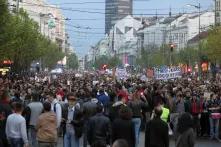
(50, 96)
(158, 111)
(72, 99)
(47, 106)
(100, 107)
(120, 143)
(125, 113)
(184, 123)
(35, 97)
(18, 107)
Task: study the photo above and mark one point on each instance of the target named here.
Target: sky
(86, 28)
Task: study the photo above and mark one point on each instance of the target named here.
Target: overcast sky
(86, 27)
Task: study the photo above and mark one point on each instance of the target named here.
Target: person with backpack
(55, 106)
(73, 129)
(31, 113)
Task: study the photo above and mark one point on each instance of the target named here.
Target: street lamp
(199, 47)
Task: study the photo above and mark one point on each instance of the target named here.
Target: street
(199, 142)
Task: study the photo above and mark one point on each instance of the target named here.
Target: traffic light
(171, 47)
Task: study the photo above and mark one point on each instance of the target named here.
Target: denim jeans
(214, 127)
(137, 123)
(16, 142)
(70, 140)
(32, 136)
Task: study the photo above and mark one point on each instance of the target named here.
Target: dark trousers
(4, 142)
(16, 142)
(204, 122)
(196, 125)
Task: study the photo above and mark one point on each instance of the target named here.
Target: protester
(99, 128)
(137, 103)
(5, 111)
(214, 109)
(55, 106)
(47, 127)
(123, 127)
(74, 125)
(16, 131)
(36, 108)
(186, 136)
(156, 133)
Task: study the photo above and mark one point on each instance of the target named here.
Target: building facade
(217, 12)
(116, 10)
(50, 19)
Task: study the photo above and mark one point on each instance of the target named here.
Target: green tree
(213, 45)
(21, 41)
(114, 62)
(72, 61)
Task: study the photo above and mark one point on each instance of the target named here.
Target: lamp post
(199, 46)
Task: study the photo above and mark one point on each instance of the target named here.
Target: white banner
(166, 73)
(121, 74)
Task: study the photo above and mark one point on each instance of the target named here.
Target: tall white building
(123, 39)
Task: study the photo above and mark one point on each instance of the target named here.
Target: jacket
(136, 107)
(156, 133)
(123, 129)
(187, 139)
(77, 120)
(47, 127)
(99, 129)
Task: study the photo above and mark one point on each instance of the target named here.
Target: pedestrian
(99, 128)
(36, 108)
(123, 127)
(156, 133)
(74, 122)
(55, 106)
(137, 104)
(214, 111)
(89, 110)
(47, 127)
(5, 111)
(16, 130)
(186, 136)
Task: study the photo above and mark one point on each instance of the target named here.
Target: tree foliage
(21, 41)
(213, 45)
(110, 61)
(72, 61)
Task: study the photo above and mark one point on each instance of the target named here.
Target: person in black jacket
(123, 127)
(156, 134)
(99, 128)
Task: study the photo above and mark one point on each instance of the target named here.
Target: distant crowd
(99, 111)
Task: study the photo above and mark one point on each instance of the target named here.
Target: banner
(121, 73)
(166, 73)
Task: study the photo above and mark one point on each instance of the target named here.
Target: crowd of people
(99, 111)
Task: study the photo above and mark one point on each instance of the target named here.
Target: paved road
(199, 143)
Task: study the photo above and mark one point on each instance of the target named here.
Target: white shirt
(16, 127)
(58, 111)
